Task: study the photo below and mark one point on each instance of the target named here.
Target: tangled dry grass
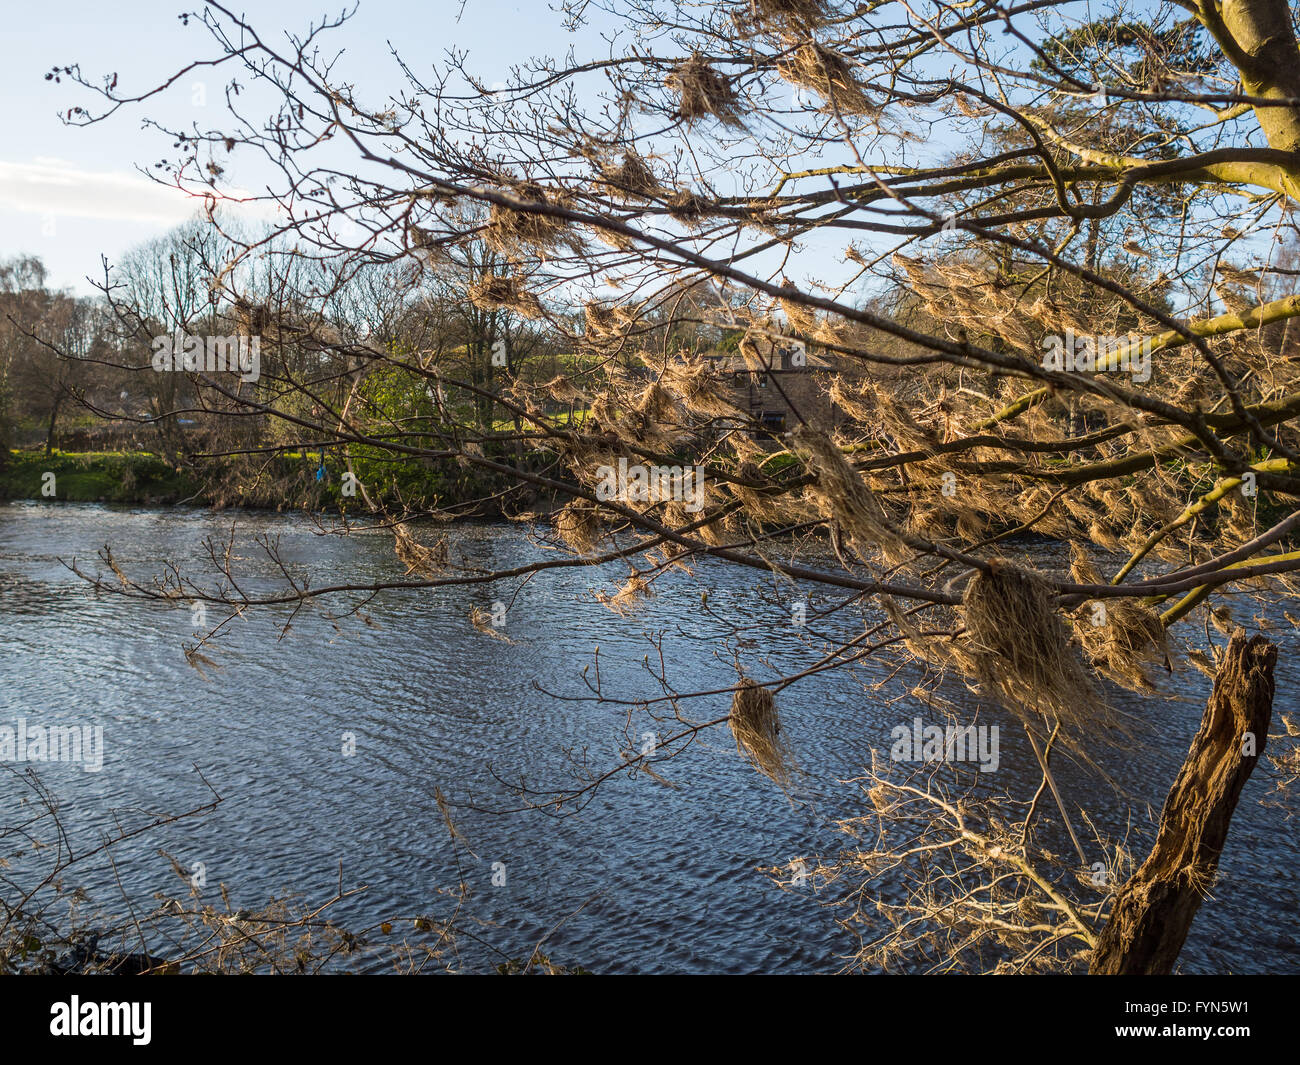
(830, 75)
(419, 559)
(780, 15)
(841, 493)
(756, 725)
(703, 92)
(631, 178)
(495, 292)
(579, 525)
(513, 232)
(937, 878)
(1022, 655)
(1127, 644)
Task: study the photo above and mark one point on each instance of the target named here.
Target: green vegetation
(287, 480)
(560, 420)
(88, 477)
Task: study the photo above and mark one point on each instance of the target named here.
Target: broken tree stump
(1154, 909)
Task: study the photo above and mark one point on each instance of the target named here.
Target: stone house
(791, 380)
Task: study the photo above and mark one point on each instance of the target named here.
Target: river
(644, 878)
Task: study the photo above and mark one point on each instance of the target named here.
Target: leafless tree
(931, 200)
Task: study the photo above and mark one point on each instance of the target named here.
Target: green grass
(90, 477)
(560, 420)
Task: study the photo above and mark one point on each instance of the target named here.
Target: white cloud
(55, 187)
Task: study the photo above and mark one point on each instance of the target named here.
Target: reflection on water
(664, 878)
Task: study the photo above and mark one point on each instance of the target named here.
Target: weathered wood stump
(1155, 908)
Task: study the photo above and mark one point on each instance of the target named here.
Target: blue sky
(71, 194)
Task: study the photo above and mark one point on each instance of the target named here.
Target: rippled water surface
(644, 878)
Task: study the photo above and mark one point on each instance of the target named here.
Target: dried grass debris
(1020, 651)
(703, 92)
(756, 725)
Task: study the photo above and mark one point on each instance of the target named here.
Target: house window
(772, 421)
(762, 380)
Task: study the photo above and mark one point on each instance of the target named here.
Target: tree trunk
(54, 415)
(1256, 36)
(1154, 910)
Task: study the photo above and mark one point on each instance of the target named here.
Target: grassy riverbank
(94, 477)
(285, 481)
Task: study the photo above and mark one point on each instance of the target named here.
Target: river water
(643, 878)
